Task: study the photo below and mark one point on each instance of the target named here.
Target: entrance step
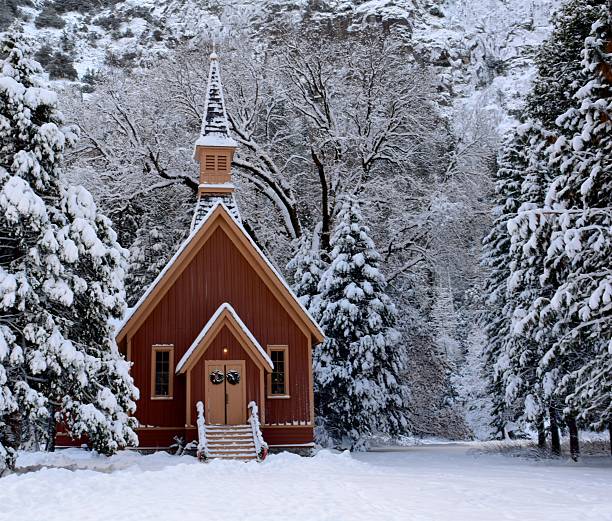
(230, 442)
(240, 457)
(232, 428)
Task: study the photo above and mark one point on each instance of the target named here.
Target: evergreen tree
(307, 268)
(149, 254)
(551, 342)
(100, 405)
(579, 365)
(529, 240)
(358, 366)
(24, 223)
(512, 162)
(558, 61)
(61, 273)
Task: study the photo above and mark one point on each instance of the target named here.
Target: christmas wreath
(216, 377)
(233, 377)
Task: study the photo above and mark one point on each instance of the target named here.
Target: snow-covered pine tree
(24, 222)
(511, 164)
(307, 268)
(153, 234)
(100, 406)
(149, 253)
(518, 337)
(61, 273)
(10, 378)
(448, 352)
(579, 201)
(529, 240)
(558, 61)
(358, 366)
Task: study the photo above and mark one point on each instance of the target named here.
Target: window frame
(287, 394)
(156, 348)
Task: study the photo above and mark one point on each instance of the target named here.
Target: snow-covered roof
(206, 330)
(215, 140)
(207, 201)
(215, 126)
(274, 270)
(219, 186)
(218, 205)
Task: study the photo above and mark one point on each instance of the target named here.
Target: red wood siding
(287, 435)
(164, 438)
(218, 273)
(226, 339)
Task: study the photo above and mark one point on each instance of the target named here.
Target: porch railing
(202, 443)
(261, 447)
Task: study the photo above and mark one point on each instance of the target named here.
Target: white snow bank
(431, 482)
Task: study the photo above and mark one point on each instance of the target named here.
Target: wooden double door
(225, 392)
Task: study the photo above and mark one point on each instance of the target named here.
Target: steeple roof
(215, 127)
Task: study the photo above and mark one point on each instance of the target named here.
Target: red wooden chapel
(219, 324)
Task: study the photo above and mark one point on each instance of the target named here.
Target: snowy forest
(434, 179)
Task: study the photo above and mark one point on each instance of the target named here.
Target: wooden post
(574, 441)
(555, 440)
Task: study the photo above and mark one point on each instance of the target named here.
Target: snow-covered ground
(436, 482)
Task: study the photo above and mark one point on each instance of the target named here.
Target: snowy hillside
(482, 50)
(485, 50)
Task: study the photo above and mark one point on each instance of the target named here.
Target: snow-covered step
(220, 447)
(226, 443)
(241, 457)
(230, 442)
(228, 450)
(229, 434)
(228, 427)
(219, 432)
(235, 432)
(235, 440)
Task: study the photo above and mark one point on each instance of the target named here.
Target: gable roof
(187, 251)
(224, 316)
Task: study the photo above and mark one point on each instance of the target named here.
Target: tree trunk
(574, 441)
(541, 433)
(610, 433)
(51, 430)
(555, 440)
(325, 211)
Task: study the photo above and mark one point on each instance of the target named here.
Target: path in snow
(431, 482)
